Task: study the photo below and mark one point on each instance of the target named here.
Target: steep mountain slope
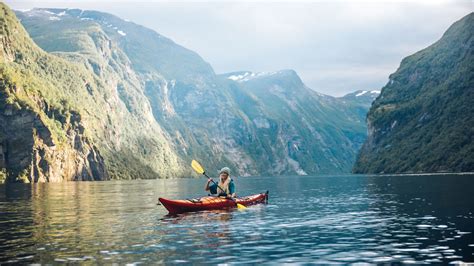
(304, 131)
(359, 102)
(423, 120)
(205, 116)
(75, 119)
(181, 88)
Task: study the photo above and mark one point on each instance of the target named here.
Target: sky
(336, 47)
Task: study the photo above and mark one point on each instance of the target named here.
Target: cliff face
(423, 121)
(29, 149)
(74, 119)
(31, 153)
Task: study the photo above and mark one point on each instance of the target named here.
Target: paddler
(225, 187)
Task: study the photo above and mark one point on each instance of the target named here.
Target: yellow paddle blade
(240, 206)
(197, 167)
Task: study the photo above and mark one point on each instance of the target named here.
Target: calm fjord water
(308, 219)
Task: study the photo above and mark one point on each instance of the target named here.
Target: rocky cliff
(71, 120)
(30, 149)
(423, 121)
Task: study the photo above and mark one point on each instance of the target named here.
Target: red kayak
(210, 203)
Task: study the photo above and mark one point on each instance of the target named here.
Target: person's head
(224, 173)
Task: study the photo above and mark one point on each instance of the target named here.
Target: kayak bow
(210, 203)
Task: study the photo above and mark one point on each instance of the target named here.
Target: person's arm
(232, 189)
(207, 188)
(211, 188)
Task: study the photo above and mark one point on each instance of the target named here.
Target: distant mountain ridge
(362, 97)
(423, 121)
(149, 106)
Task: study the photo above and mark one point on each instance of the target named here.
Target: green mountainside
(423, 121)
(302, 129)
(63, 117)
(146, 106)
(359, 102)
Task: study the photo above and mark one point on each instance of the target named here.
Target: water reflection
(308, 219)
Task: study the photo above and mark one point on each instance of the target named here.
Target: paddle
(200, 170)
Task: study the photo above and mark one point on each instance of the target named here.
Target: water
(410, 219)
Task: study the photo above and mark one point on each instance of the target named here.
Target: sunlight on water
(341, 219)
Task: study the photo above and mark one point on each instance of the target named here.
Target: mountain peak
(15, 43)
(172, 60)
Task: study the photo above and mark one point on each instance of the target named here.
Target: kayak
(210, 203)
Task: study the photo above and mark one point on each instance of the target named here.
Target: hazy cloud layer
(336, 47)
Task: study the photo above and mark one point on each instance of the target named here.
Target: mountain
(360, 102)
(307, 131)
(423, 121)
(361, 97)
(72, 116)
(148, 106)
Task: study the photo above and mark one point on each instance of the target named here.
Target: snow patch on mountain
(365, 92)
(238, 77)
(250, 75)
(121, 33)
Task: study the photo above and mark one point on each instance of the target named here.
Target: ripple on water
(382, 259)
(423, 226)
(364, 254)
(421, 238)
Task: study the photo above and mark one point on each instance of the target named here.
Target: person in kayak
(225, 187)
